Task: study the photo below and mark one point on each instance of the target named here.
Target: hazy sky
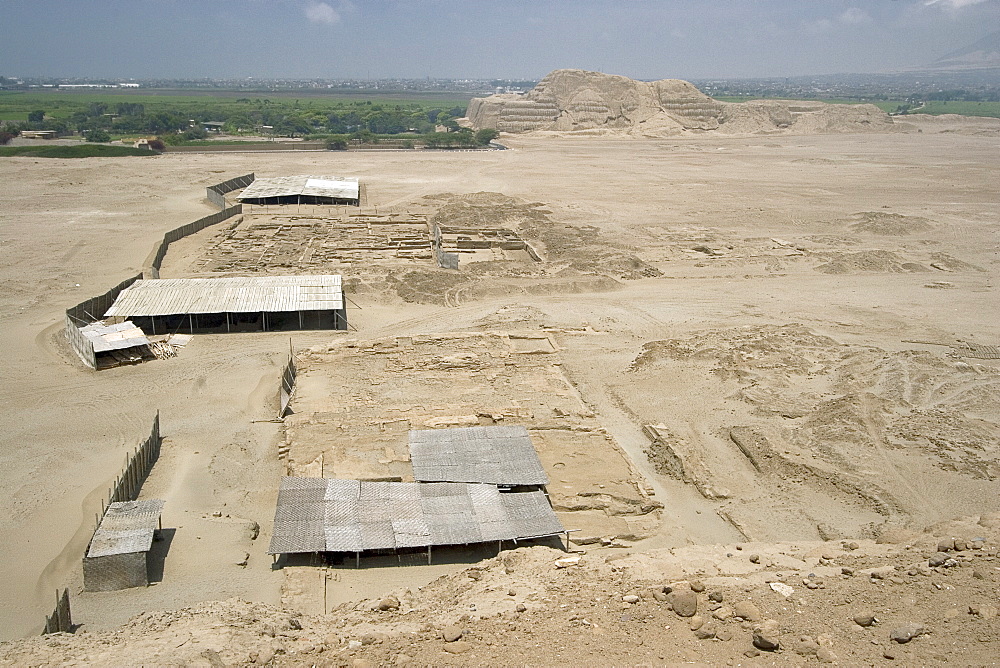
(647, 39)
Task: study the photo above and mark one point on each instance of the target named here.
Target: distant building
(39, 134)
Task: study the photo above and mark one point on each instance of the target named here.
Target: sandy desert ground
(773, 331)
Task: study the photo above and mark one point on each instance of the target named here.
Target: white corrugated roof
(126, 527)
(114, 337)
(176, 296)
(337, 187)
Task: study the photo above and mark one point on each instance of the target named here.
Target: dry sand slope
(784, 316)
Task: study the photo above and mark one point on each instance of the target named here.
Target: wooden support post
(357, 560)
(428, 555)
(191, 322)
(227, 322)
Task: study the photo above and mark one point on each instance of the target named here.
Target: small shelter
(117, 557)
(244, 304)
(114, 345)
(330, 515)
(326, 190)
(500, 455)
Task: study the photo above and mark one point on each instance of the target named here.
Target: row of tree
(279, 119)
(462, 138)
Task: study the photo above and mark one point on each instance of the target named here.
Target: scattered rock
(388, 603)
(684, 602)
(783, 589)
(805, 646)
(566, 562)
(458, 647)
(723, 614)
(864, 620)
(451, 633)
(242, 563)
(937, 559)
(986, 611)
(520, 607)
(716, 597)
(946, 545)
(696, 622)
(697, 586)
(706, 632)
(882, 572)
(747, 610)
(631, 598)
(475, 575)
(754, 558)
(253, 530)
(766, 635)
(906, 632)
(826, 655)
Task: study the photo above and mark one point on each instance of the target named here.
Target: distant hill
(981, 54)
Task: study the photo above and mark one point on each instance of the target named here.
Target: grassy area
(988, 109)
(56, 104)
(82, 151)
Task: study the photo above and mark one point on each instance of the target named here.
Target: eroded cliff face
(572, 100)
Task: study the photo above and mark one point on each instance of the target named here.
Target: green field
(81, 151)
(15, 105)
(935, 108)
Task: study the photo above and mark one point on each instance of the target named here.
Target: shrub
(98, 135)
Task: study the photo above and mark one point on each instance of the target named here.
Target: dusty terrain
(772, 334)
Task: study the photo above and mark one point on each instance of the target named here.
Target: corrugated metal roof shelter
(501, 455)
(329, 515)
(302, 190)
(117, 556)
(114, 337)
(207, 304)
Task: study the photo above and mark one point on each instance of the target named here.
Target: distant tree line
(281, 118)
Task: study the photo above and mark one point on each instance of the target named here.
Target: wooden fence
(287, 386)
(155, 259)
(137, 467)
(217, 193)
(61, 620)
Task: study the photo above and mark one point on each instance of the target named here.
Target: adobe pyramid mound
(573, 100)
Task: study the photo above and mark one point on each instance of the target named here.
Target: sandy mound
(577, 100)
(879, 261)
(880, 434)
(889, 224)
(924, 598)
